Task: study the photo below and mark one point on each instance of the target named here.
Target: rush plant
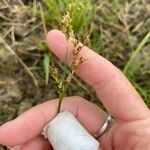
(63, 80)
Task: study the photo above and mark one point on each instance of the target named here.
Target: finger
(117, 94)
(30, 124)
(38, 143)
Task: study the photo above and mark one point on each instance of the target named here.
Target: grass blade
(46, 67)
(138, 49)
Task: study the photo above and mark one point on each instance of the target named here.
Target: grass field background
(119, 30)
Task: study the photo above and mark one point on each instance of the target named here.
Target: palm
(129, 131)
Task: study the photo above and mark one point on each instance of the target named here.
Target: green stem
(66, 87)
(140, 46)
(57, 1)
(61, 96)
(66, 57)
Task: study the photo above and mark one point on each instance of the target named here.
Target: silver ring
(104, 127)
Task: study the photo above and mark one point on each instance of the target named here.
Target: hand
(129, 131)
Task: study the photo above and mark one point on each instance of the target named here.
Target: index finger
(116, 92)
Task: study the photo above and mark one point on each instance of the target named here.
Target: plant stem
(140, 46)
(20, 61)
(57, 1)
(43, 20)
(66, 57)
(66, 87)
(61, 96)
(46, 67)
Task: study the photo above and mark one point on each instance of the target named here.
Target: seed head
(86, 40)
(61, 86)
(77, 50)
(67, 23)
(74, 42)
(55, 71)
(76, 64)
(68, 79)
(82, 59)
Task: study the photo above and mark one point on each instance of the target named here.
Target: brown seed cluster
(77, 47)
(77, 60)
(67, 22)
(63, 80)
(54, 72)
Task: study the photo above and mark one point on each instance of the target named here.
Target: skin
(130, 129)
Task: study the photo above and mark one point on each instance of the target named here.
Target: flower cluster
(63, 80)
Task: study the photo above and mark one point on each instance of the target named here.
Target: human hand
(130, 129)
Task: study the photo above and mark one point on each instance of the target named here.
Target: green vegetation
(119, 31)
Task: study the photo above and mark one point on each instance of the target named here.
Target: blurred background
(119, 30)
